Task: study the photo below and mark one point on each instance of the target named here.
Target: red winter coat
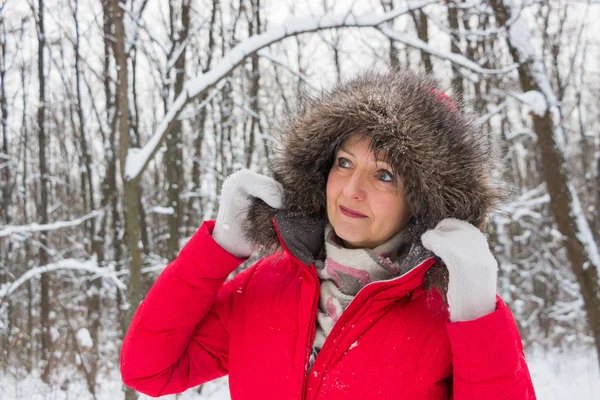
(390, 343)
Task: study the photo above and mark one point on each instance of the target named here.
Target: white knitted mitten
(237, 190)
(471, 266)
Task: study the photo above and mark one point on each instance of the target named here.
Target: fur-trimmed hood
(444, 161)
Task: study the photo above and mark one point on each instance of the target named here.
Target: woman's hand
(235, 200)
(471, 266)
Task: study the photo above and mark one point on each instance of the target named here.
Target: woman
(379, 284)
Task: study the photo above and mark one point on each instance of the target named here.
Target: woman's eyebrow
(378, 160)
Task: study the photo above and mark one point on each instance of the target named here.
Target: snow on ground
(556, 375)
(568, 375)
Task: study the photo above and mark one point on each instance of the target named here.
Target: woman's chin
(350, 239)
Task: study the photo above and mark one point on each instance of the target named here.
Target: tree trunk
(136, 141)
(5, 215)
(93, 300)
(174, 155)
(43, 205)
(195, 206)
(5, 184)
(421, 23)
(109, 184)
(255, 28)
(30, 289)
(457, 80)
(130, 187)
(394, 56)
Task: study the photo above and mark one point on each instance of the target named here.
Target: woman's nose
(355, 187)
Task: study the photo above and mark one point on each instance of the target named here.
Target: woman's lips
(351, 213)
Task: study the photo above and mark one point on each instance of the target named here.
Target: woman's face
(366, 203)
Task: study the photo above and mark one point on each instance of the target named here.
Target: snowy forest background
(121, 119)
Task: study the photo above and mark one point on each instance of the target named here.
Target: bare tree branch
(8, 230)
(457, 59)
(138, 159)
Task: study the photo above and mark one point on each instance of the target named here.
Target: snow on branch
(520, 39)
(177, 53)
(138, 159)
(162, 210)
(566, 311)
(69, 264)
(494, 111)
(457, 59)
(534, 100)
(215, 91)
(584, 233)
(525, 205)
(472, 34)
(8, 230)
(136, 18)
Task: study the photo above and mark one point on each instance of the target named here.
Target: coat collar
(303, 239)
(300, 236)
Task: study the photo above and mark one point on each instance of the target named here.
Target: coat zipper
(313, 317)
(311, 333)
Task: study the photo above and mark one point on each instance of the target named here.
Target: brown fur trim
(443, 159)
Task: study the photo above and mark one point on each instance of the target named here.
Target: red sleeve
(177, 339)
(488, 359)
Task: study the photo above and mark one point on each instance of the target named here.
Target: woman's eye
(385, 176)
(343, 163)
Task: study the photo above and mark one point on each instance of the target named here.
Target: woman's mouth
(351, 213)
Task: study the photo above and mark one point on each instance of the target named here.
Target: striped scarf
(345, 271)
